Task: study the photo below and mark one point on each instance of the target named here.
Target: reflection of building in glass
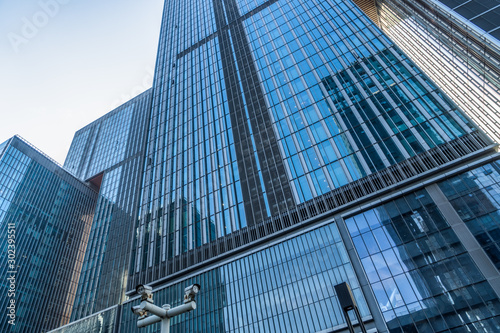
(475, 195)
(108, 154)
(422, 276)
(283, 287)
(106, 321)
(316, 101)
(50, 212)
(456, 43)
(288, 146)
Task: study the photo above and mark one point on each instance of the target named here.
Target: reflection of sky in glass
(2, 146)
(110, 184)
(416, 264)
(13, 167)
(111, 143)
(287, 287)
(344, 103)
(298, 273)
(77, 151)
(382, 262)
(475, 195)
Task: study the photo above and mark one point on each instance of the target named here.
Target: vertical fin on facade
(251, 100)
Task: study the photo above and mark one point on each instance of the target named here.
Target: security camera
(146, 292)
(190, 292)
(139, 311)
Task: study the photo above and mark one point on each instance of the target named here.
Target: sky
(65, 63)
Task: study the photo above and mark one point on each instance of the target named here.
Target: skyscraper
(108, 154)
(45, 220)
(247, 124)
(456, 43)
(266, 114)
(291, 146)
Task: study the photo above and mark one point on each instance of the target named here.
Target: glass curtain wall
(421, 275)
(262, 105)
(287, 287)
(49, 213)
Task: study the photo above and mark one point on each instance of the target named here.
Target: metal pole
(348, 321)
(180, 309)
(148, 321)
(165, 325)
(360, 321)
(150, 314)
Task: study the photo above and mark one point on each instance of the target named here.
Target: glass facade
(422, 277)
(378, 110)
(109, 152)
(267, 120)
(110, 140)
(475, 195)
(286, 287)
(259, 106)
(463, 61)
(483, 14)
(2, 146)
(102, 322)
(45, 220)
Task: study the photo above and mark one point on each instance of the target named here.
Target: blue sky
(65, 63)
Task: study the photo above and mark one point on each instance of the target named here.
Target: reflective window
(49, 213)
(287, 287)
(421, 275)
(475, 195)
(458, 60)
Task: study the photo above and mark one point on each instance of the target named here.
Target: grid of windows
(381, 109)
(107, 257)
(113, 158)
(286, 287)
(420, 273)
(2, 146)
(109, 143)
(484, 14)
(110, 139)
(463, 63)
(261, 105)
(89, 298)
(246, 6)
(102, 322)
(77, 150)
(475, 195)
(204, 178)
(110, 152)
(52, 214)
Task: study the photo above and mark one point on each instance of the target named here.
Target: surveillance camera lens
(196, 289)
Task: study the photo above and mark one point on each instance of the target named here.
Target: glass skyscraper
(457, 44)
(291, 146)
(270, 116)
(262, 106)
(45, 221)
(108, 154)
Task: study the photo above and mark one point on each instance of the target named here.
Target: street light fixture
(150, 314)
(347, 303)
